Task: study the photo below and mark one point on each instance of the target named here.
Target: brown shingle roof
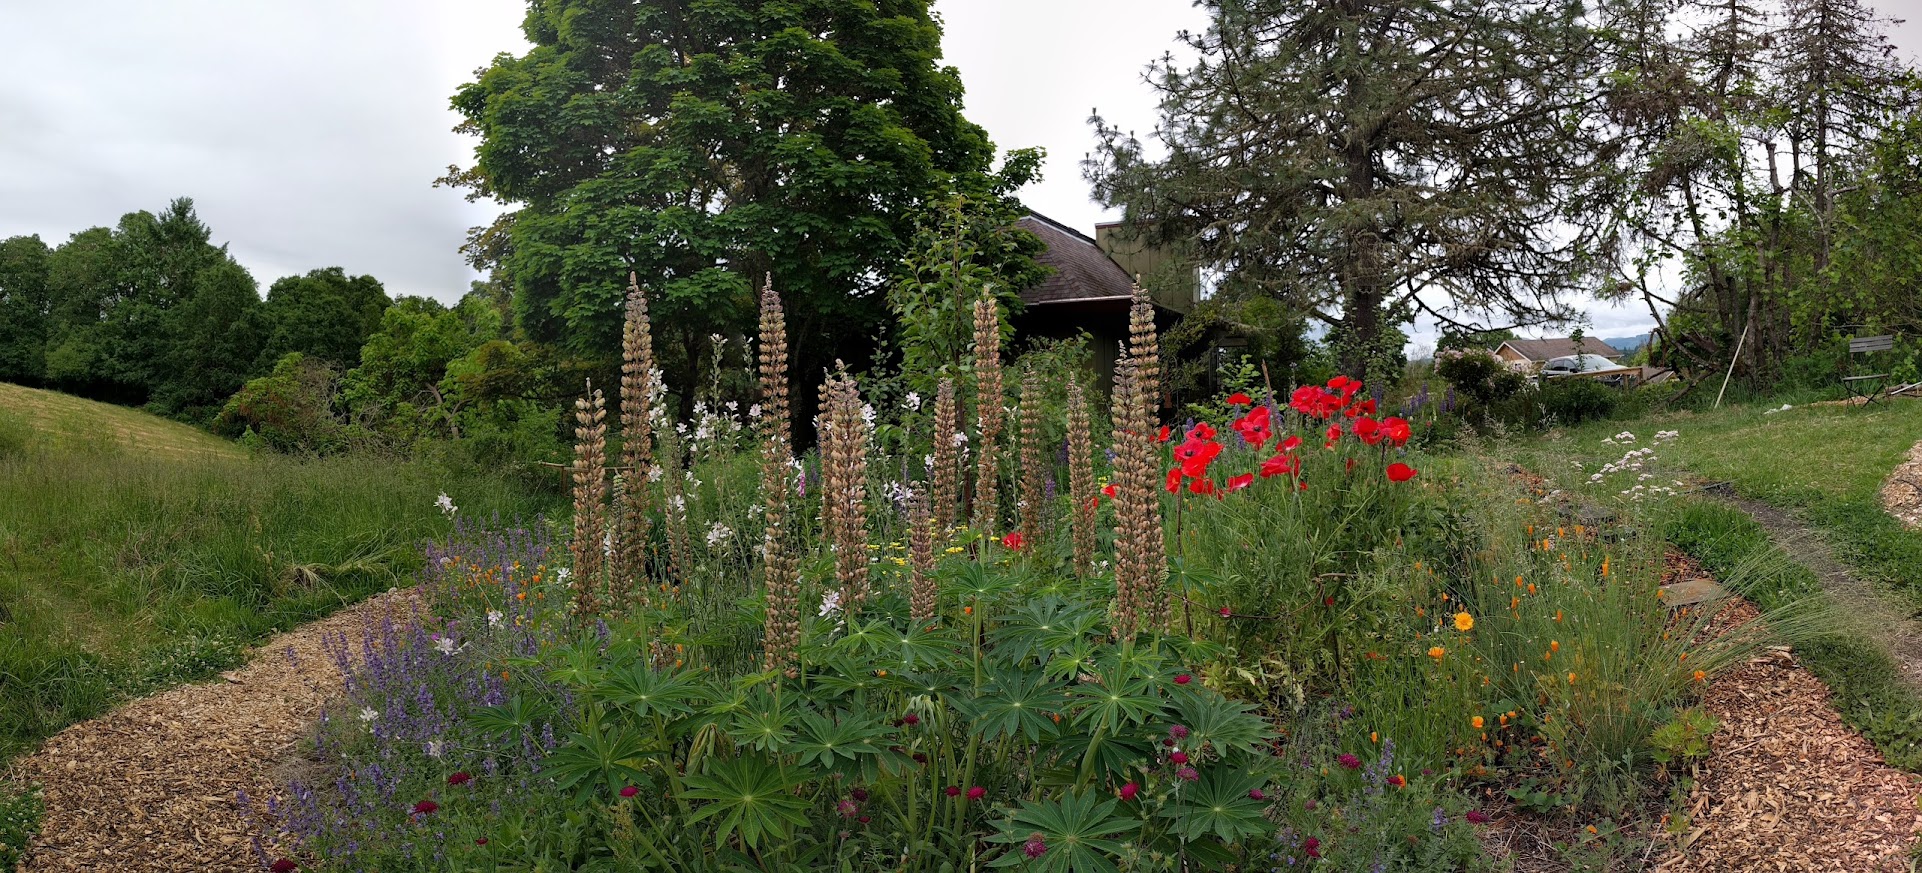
(1556, 347)
(1082, 271)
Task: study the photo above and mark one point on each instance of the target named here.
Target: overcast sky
(309, 133)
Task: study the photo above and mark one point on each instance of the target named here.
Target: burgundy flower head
(953, 790)
(1188, 774)
(630, 791)
(977, 792)
(1476, 816)
(460, 778)
(1349, 761)
(1178, 757)
(284, 865)
(426, 807)
(1129, 791)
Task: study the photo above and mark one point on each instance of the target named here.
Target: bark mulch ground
(151, 786)
(1787, 785)
(1902, 493)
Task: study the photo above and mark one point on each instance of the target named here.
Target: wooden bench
(1868, 387)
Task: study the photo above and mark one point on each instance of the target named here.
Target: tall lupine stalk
(1081, 490)
(988, 413)
(844, 483)
(629, 570)
(1140, 554)
(923, 596)
(947, 456)
(778, 560)
(1034, 467)
(590, 500)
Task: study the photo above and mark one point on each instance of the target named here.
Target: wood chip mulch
(1787, 785)
(151, 786)
(1902, 493)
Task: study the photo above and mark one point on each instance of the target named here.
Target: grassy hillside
(48, 419)
(136, 553)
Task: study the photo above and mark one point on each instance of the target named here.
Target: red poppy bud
(1328, 601)
(1400, 472)
(481, 842)
(1162, 435)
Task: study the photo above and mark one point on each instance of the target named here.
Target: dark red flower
(920, 758)
(1312, 847)
(1476, 816)
(1178, 757)
(426, 807)
(1328, 601)
(1257, 794)
(460, 778)
(481, 842)
(1351, 464)
(1226, 612)
(1183, 679)
(1349, 761)
(863, 819)
(1236, 483)
(911, 719)
(284, 865)
(1397, 430)
(1174, 480)
(630, 791)
(1035, 847)
(977, 792)
(1400, 472)
(1013, 541)
(1239, 399)
(1398, 780)
(1179, 731)
(1129, 791)
(953, 790)
(1188, 774)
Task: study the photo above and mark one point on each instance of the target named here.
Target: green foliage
(960, 247)
(287, 410)
(1576, 400)
(20, 811)
(1479, 375)
(24, 309)
(325, 315)
(1684, 738)
(704, 150)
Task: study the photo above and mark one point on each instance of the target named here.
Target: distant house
(1527, 354)
(1091, 288)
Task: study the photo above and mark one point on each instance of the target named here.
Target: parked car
(1591, 366)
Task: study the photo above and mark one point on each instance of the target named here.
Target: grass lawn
(1824, 462)
(137, 553)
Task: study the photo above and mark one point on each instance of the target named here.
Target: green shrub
(1575, 400)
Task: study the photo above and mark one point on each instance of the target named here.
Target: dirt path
(1871, 613)
(151, 786)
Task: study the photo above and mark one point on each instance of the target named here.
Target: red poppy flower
(1396, 429)
(1236, 483)
(1161, 436)
(1201, 486)
(1338, 383)
(1254, 427)
(1111, 490)
(1093, 503)
(1366, 407)
(1204, 431)
(1368, 430)
(977, 792)
(426, 807)
(1334, 436)
(460, 778)
(1174, 480)
(1311, 401)
(1226, 612)
(1290, 444)
(1279, 464)
(1196, 454)
(284, 865)
(1239, 399)
(1013, 541)
(1400, 472)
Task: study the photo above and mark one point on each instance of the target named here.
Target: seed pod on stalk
(988, 414)
(844, 475)
(1081, 488)
(590, 501)
(779, 562)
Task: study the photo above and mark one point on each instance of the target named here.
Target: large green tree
(325, 315)
(704, 144)
(1363, 160)
(24, 309)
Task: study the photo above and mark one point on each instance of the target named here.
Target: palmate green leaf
(1072, 661)
(1044, 627)
(749, 794)
(644, 691)
(1121, 698)
(1230, 725)
(766, 723)
(579, 666)
(516, 716)
(864, 638)
(1077, 829)
(975, 580)
(1015, 703)
(610, 756)
(833, 741)
(1219, 804)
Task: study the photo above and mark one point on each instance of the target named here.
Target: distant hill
(65, 421)
(1628, 344)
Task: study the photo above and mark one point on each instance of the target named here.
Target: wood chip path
(1902, 493)
(151, 786)
(1787, 785)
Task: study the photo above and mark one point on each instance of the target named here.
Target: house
(1530, 354)
(1092, 288)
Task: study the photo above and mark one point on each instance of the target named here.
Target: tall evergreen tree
(1365, 160)
(706, 144)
